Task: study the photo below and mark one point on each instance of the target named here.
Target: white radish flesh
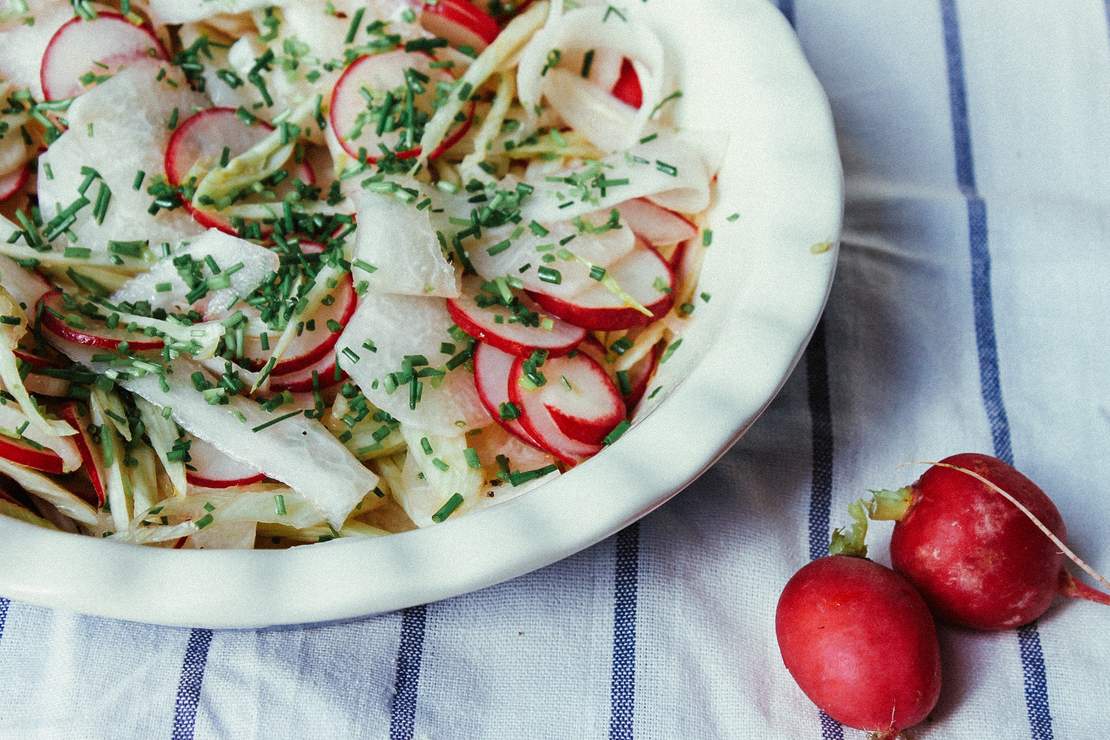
(477, 314)
(99, 46)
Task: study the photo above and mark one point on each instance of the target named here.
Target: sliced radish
(312, 344)
(643, 274)
(21, 452)
(509, 334)
(302, 382)
(640, 375)
(491, 378)
(11, 183)
(356, 128)
(589, 405)
(201, 138)
(100, 46)
(94, 333)
(459, 22)
(90, 453)
(36, 361)
(627, 90)
(654, 224)
(210, 468)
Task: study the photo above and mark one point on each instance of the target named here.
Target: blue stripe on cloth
(1029, 641)
(4, 604)
(188, 688)
(820, 497)
(622, 686)
(406, 684)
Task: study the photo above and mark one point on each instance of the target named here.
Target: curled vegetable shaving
(12, 328)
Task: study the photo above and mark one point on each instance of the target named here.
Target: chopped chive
(666, 168)
(508, 411)
(733, 218)
(618, 430)
(448, 508)
(426, 445)
(440, 464)
(352, 29)
(705, 296)
(670, 350)
(499, 247)
(550, 275)
(279, 504)
(707, 237)
(204, 521)
(471, 456)
(271, 422)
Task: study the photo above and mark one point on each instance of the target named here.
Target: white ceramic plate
(742, 72)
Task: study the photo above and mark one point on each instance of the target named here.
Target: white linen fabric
(969, 313)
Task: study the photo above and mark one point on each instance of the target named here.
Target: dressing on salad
(273, 273)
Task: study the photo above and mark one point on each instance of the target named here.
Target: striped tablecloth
(970, 313)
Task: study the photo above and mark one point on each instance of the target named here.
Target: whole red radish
(861, 644)
(976, 558)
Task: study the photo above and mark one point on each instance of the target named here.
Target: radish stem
(1076, 588)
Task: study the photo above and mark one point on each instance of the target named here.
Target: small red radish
(301, 381)
(654, 224)
(491, 378)
(860, 642)
(964, 541)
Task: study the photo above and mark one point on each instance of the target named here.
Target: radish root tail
(1075, 588)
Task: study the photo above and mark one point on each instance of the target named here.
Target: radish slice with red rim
(201, 138)
(383, 78)
(22, 452)
(82, 52)
(639, 376)
(628, 90)
(491, 378)
(577, 395)
(522, 328)
(48, 454)
(327, 373)
(654, 224)
(64, 323)
(11, 183)
(312, 344)
(643, 274)
(459, 22)
(210, 468)
(90, 452)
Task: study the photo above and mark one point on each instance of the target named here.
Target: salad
(273, 273)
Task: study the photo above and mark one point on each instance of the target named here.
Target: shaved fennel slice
(162, 433)
(22, 284)
(667, 170)
(330, 477)
(591, 111)
(511, 39)
(397, 326)
(118, 128)
(176, 11)
(491, 127)
(188, 515)
(46, 489)
(400, 242)
(593, 28)
(112, 451)
(601, 249)
(249, 264)
(444, 472)
(12, 419)
(225, 536)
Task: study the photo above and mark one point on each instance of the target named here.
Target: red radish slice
(459, 22)
(21, 452)
(211, 468)
(11, 183)
(90, 457)
(94, 333)
(641, 273)
(36, 361)
(591, 403)
(513, 337)
(202, 137)
(654, 224)
(312, 345)
(640, 375)
(99, 46)
(491, 378)
(351, 121)
(627, 90)
(301, 381)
